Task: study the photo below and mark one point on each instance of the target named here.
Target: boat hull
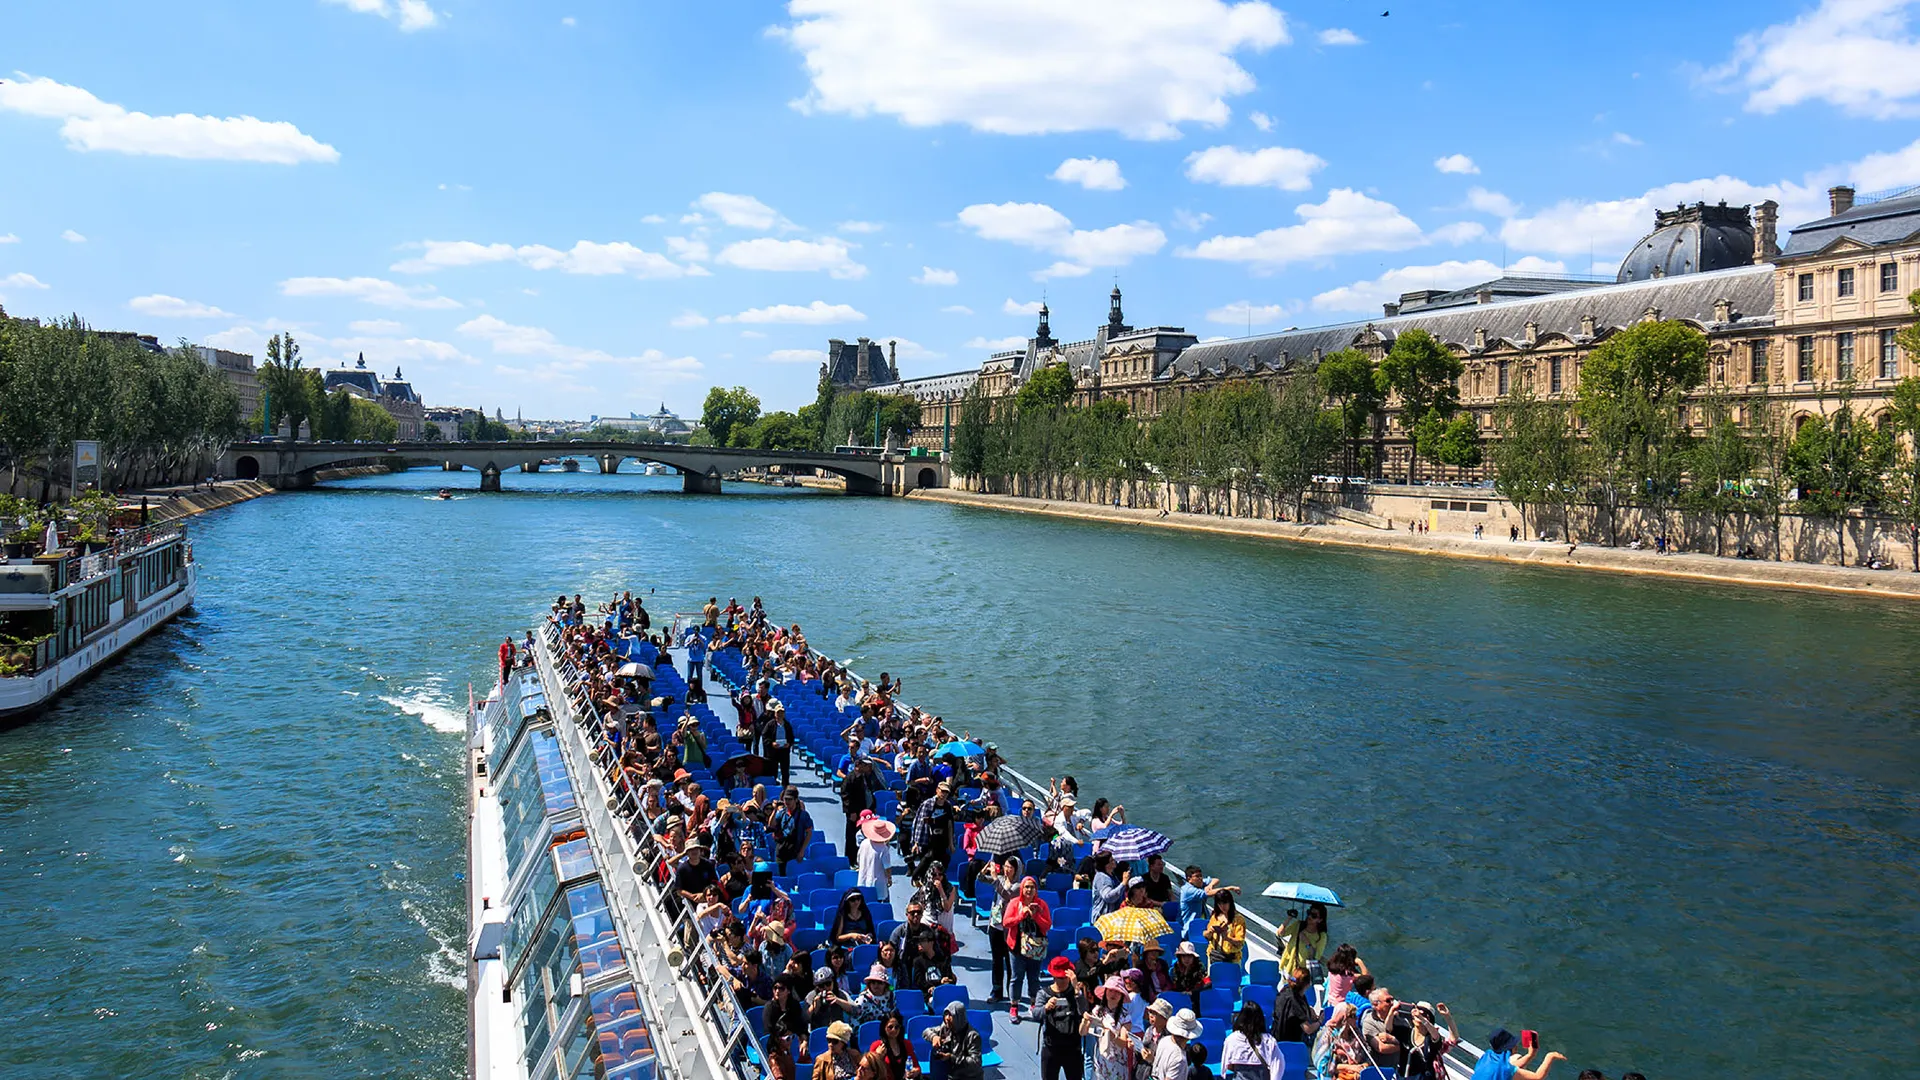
(23, 696)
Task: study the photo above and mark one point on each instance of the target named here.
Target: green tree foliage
(1537, 460)
(1425, 375)
(779, 430)
(1632, 389)
(479, 427)
(1051, 387)
(1301, 438)
(970, 434)
(1349, 378)
(855, 414)
(1838, 462)
(1720, 466)
(727, 411)
(813, 418)
(289, 390)
(156, 415)
(1902, 496)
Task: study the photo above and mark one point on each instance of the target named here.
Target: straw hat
(1184, 1025)
(1161, 1007)
(839, 1031)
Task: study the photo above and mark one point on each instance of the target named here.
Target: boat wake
(431, 713)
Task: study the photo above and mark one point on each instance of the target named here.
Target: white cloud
(1459, 232)
(585, 257)
(376, 291)
(1858, 55)
(1491, 202)
(377, 327)
(687, 320)
(161, 306)
(1092, 173)
(1273, 166)
(88, 124)
(756, 334)
(508, 339)
(9, 238)
(908, 349)
(1032, 68)
(21, 280)
(957, 309)
(1339, 36)
(1456, 163)
(1062, 270)
(999, 344)
(818, 313)
(741, 211)
(933, 276)
(688, 250)
(861, 226)
(1895, 168)
(382, 350)
(1575, 226)
(1346, 222)
(1191, 221)
(1015, 307)
(797, 356)
(411, 15)
(252, 337)
(1452, 274)
(72, 237)
(1621, 138)
(766, 253)
(1039, 226)
(653, 219)
(568, 20)
(1248, 313)
(1261, 120)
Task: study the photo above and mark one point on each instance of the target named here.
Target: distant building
(237, 367)
(396, 395)
(663, 422)
(859, 365)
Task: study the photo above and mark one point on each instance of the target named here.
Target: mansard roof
(1885, 221)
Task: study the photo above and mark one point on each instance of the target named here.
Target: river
(1672, 827)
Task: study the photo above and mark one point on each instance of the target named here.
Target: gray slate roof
(1684, 296)
(1886, 222)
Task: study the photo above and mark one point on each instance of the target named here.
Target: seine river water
(1673, 827)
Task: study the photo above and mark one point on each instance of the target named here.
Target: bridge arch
(246, 467)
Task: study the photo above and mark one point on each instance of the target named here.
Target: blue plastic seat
(942, 996)
(757, 1020)
(813, 883)
(910, 1002)
(1295, 1056)
(862, 958)
(1080, 898)
(1059, 940)
(1223, 975)
(1217, 1004)
(1373, 1072)
(917, 1026)
(809, 938)
(869, 1034)
(1263, 973)
(817, 1041)
(1262, 996)
(846, 879)
(982, 1021)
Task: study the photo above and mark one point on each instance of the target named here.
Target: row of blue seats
(918, 1024)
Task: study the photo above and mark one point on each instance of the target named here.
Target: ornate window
(1806, 288)
(1756, 361)
(1889, 355)
(1843, 356)
(1889, 277)
(1843, 284)
(1553, 375)
(1804, 372)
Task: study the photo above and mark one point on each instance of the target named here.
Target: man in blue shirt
(792, 829)
(1193, 899)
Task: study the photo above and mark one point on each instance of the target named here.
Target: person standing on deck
(1026, 920)
(933, 831)
(792, 829)
(858, 797)
(1194, 895)
(710, 615)
(1058, 1008)
(506, 659)
(776, 741)
(875, 857)
(1109, 883)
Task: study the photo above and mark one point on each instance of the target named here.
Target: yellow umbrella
(1138, 925)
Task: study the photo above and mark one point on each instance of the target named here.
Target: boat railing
(670, 944)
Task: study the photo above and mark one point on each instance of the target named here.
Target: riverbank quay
(1893, 584)
(174, 503)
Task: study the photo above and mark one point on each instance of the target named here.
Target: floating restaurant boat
(580, 966)
(65, 612)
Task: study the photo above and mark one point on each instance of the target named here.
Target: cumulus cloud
(1191, 221)
(1459, 232)
(1062, 270)
(72, 237)
(688, 249)
(1456, 163)
(1039, 226)
(410, 15)
(21, 280)
(1858, 55)
(1346, 222)
(818, 313)
(797, 256)
(1491, 202)
(860, 226)
(9, 238)
(653, 219)
(1247, 313)
(1274, 166)
(89, 124)
(1261, 120)
(957, 309)
(376, 291)
(384, 349)
(585, 257)
(1452, 274)
(1015, 307)
(1576, 226)
(999, 344)
(161, 306)
(1092, 173)
(797, 356)
(932, 276)
(536, 342)
(686, 320)
(1032, 68)
(741, 211)
(1338, 35)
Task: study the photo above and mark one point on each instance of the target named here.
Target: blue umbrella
(1133, 842)
(959, 748)
(1302, 891)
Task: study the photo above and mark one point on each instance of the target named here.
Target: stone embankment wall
(189, 503)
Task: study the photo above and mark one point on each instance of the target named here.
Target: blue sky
(584, 207)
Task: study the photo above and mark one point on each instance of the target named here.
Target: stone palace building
(1792, 323)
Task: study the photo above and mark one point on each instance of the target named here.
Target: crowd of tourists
(918, 799)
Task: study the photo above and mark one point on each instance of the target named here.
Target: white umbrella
(53, 538)
(635, 668)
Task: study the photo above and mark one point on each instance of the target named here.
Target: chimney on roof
(1841, 198)
(1483, 295)
(1390, 308)
(1532, 332)
(1766, 243)
(1587, 325)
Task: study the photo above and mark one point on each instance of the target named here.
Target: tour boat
(64, 613)
(578, 962)
(654, 468)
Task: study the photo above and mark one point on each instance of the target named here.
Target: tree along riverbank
(1686, 566)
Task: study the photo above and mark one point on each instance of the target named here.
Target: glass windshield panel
(554, 783)
(534, 790)
(622, 1046)
(523, 918)
(544, 986)
(574, 859)
(593, 933)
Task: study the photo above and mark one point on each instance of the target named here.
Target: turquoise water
(1674, 828)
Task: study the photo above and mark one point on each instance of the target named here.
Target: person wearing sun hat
(1501, 1063)
(875, 857)
(876, 997)
(1170, 1055)
(839, 1062)
(1057, 1006)
(1115, 1047)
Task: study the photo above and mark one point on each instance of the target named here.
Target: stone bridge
(287, 465)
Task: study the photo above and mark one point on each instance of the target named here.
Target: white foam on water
(446, 964)
(431, 713)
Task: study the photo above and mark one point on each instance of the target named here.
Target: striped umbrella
(1137, 925)
(1133, 842)
(1011, 832)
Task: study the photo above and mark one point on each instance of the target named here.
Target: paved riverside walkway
(1895, 584)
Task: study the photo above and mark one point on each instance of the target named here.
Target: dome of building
(1690, 240)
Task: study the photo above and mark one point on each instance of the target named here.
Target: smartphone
(1529, 1038)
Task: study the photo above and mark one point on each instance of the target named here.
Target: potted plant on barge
(91, 512)
(22, 524)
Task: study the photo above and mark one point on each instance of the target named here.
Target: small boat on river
(66, 612)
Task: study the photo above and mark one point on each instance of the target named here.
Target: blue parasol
(1302, 891)
(959, 748)
(1133, 842)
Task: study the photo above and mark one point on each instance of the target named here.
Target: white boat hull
(23, 694)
